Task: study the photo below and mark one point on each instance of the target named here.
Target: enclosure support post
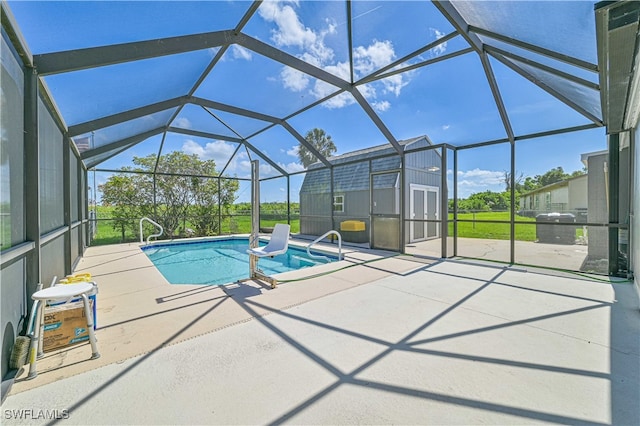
(84, 206)
(155, 205)
(220, 208)
(444, 207)
(289, 200)
(255, 216)
(32, 180)
(402, 241)
(455, 202)
(66, 197)
(331, 195)
(614, 186)
(512, 204)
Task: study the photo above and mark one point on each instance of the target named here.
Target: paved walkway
(439, 342)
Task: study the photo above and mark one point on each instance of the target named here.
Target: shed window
(338, 203)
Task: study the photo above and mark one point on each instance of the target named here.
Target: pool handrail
(315, 256)
(152, 235)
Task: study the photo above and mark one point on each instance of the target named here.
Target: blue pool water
(218, 262)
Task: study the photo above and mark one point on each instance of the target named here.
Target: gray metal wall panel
(623, 205)
(597, 199)
(315, 205)
(83, 195)
(315, 225)
(356, 203)
(12, 204)
(12, 279)
(52, 260)
(83, 238)
(12, 165)
(598, 210)
(635, 223)
(73, 170)
(384, 200)
(51, 171)
(75, 246)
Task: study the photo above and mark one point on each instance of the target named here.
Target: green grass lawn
(479, 228)
(479, 225)
(237, 224)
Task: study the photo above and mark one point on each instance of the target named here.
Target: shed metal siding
(353, 182)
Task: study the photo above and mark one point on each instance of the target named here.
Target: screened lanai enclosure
(502, 131)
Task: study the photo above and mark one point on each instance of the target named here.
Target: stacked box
(92, 299)
(64, 325)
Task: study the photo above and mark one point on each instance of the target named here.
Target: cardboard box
(64, 325)
(92, 299)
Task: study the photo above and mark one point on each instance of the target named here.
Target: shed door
(423, 205)
(385, 210)
(432, 212)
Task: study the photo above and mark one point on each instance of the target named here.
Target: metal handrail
(152, 235)
(315, 256)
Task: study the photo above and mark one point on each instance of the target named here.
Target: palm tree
(321, 141)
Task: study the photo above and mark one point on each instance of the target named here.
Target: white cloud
(292, 167)
(376, 55)
(394, 84)
(293, 152)
(240, 52)
(294, 79)
(381, 106)
(322, 89)
(446, 126)
(478, 180)
(339, 101)
(182, 122)
(217, 150)
(442, 47)
(368, 91)
(265, 169)
(340, 69)
(290, 31)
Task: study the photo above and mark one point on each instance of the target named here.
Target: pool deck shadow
(396, 340)
(139, 311)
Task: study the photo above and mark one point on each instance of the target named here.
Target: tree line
(501, 201)
(179, 190)
(173, 190)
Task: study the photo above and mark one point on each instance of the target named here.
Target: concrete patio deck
(397, 340)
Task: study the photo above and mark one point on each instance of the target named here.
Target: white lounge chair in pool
(278, 244)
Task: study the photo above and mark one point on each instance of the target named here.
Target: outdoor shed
(331, 197)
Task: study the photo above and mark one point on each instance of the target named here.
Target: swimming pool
(216, 262)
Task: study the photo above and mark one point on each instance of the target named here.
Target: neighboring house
(567, 196)
(352, 199)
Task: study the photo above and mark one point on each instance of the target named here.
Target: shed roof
(354, 176)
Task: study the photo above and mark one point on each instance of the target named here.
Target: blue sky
(449, 101)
